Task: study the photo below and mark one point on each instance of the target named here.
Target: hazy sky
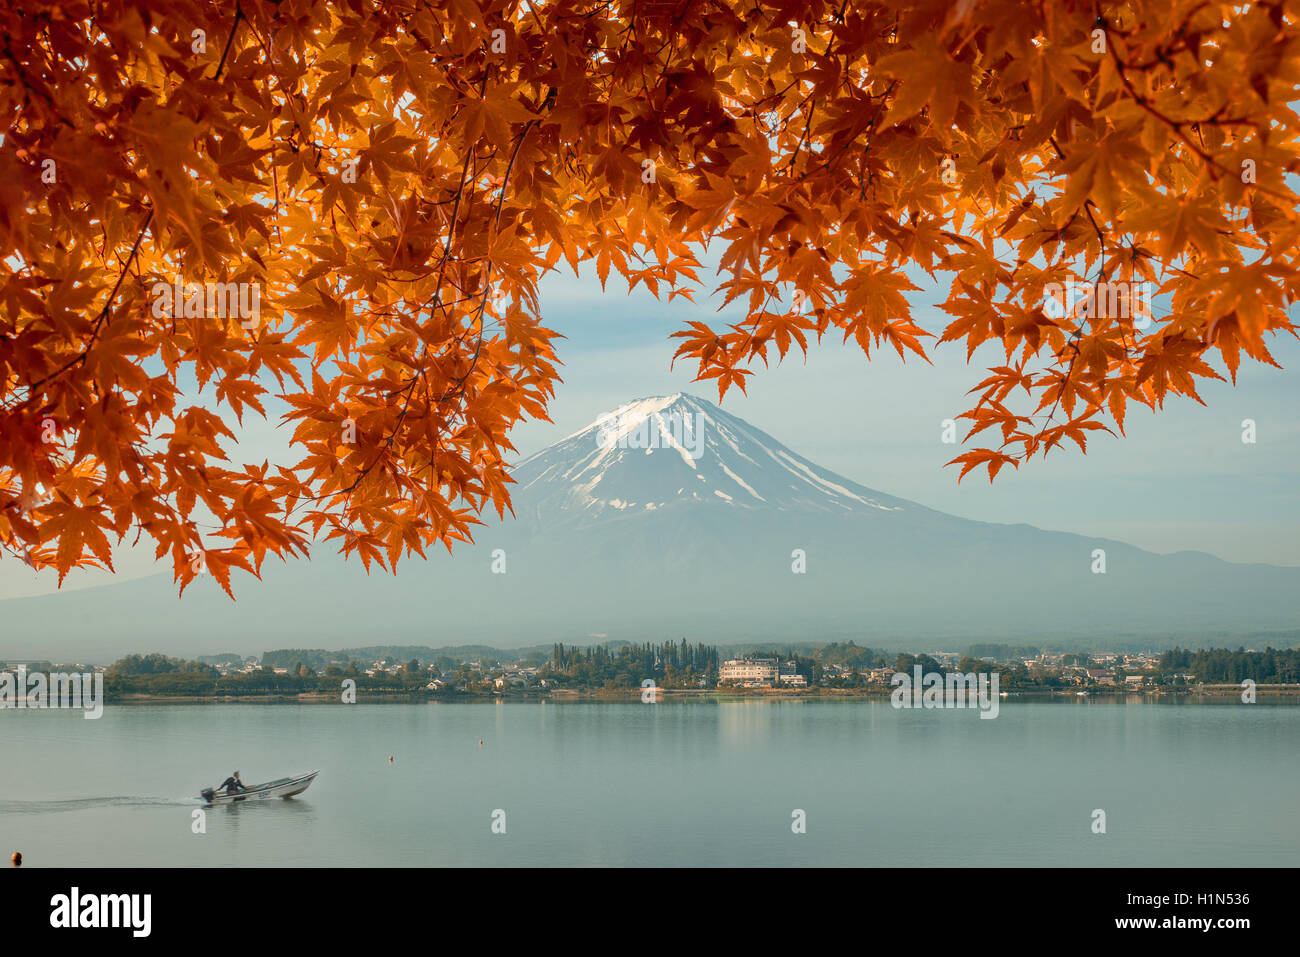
(1182, 479)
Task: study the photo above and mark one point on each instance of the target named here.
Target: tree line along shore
(680, 670)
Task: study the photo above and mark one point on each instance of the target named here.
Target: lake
(701, 782)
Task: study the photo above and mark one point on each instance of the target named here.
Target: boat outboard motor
(207, 794)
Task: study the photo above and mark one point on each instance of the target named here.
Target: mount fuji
(670, 518)
(705, 456)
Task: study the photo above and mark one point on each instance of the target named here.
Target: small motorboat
(282, 788)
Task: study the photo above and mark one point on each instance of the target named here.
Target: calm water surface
(678, 783)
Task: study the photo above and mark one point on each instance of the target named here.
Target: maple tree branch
(239, 16)
(436, 303)
(95, 330)
(29, 88)
(884, 97)
(806, 128)
(1211, 161)
(487, 280)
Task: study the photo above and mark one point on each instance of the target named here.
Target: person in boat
(232, 784)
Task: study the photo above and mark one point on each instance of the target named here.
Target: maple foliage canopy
(392, 180)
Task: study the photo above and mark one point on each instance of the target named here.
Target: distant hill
(318, 658)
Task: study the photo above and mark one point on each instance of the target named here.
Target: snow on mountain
(655, 452)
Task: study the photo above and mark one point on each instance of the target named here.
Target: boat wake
(82, 804)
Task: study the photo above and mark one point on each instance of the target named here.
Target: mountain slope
(667, 518)
(652, 453)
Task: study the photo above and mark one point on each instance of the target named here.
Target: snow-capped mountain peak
(658, 451)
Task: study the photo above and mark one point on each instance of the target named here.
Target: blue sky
(1181, 479)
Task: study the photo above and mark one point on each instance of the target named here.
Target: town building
(787, 674)
(749, 671)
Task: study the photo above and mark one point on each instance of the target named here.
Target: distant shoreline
(1281, 692)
